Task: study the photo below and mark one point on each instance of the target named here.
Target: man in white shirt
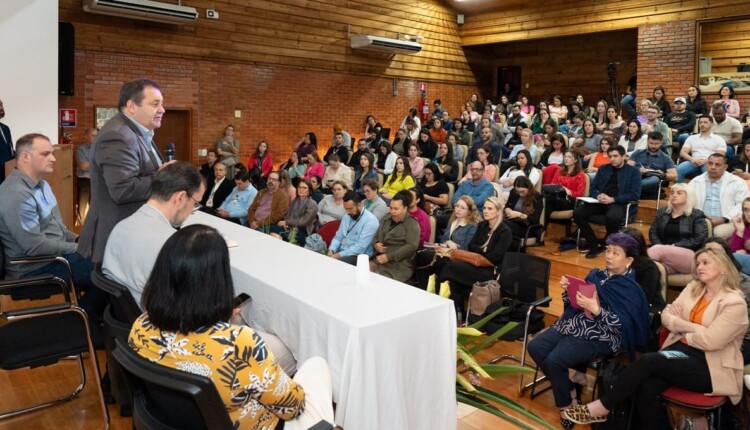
(719, 195)
(698, 148)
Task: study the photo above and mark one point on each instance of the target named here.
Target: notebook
(586, 288)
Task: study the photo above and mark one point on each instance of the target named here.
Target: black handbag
(554, 190)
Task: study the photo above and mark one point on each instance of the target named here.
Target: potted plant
(468, 390)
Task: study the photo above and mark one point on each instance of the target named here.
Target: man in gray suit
(124, 160)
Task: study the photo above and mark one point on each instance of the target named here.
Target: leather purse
(473, 258)
(482, 295)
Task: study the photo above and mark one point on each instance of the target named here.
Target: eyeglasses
(476, 169)
(196, 205)
(272, 179)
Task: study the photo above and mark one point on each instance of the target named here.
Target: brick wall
(666, 57)
(277, 104)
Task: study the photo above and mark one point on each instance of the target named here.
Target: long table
(391, 347)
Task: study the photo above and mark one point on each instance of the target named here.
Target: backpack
(619, 417)
(515, 312)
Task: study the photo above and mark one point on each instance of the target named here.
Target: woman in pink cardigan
(706, 324)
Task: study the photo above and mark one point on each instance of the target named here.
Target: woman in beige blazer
(706, 323)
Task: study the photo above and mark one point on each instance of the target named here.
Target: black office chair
(41, 336)
(119, 316)
(525, 278)
(170, 399)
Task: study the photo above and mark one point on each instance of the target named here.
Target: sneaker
(595, 251)
(580, 415)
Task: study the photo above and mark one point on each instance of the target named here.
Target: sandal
(580, 415)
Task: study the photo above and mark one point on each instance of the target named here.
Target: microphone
(170, 151)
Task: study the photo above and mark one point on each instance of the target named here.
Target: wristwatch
(726, 220)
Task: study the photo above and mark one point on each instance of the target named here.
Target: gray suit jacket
(122, 168)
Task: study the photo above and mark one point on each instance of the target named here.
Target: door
(175, 128)
(509, 75)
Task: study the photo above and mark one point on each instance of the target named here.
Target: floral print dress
(254, 388)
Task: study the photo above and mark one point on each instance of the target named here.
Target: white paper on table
(588, 200)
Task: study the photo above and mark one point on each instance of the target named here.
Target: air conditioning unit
(143, 9)
(383, 44)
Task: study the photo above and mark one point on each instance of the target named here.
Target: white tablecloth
(391, 347)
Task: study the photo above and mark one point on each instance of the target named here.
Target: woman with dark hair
(372, 126)
(261, 160)
(614, 126)
(575, 109)
(412, 116)
(588, 141)
(464, 136)
(601, 157)
(524, 167)
(365, 170)
(315, 167)
(468, 124)
(600, 115)
(188, 305)
(504, 106)
(293, 166)
(301, 216)
(572, 178)
(316, 181)
(400, 179)
(726, 97)
(418, 211)
(634, 139)
(331, 208)
(434, 187)
(540, 120)
(401, 142)
(706, 326)
(558, 109)
(614, 319)
(544, 140)
(386, 159)
(306, 146)
(695, 102)
(416, 163)
(555, 154)
(427, 145)
(526, 108)
(446, 162)
(437, 132)
(523, 208)
(659, 99)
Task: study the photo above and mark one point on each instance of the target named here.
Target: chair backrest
(497, 173)
(710, 227)
(451, 191)
(525, 277)
(163, 396)
(328, 230)
(381, 180)
(587, 187)
(460, 173)
(385, 133)
(124, 306)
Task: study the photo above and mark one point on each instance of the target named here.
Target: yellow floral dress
(254, 388)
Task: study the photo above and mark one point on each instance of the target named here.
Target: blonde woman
(675, 247)
(706, 324)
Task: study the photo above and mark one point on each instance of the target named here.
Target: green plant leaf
(479, 324)
(495, 370)
(471, 362)
(508, 403)
(468, 331)
(480, 404)
(494, 336)
(465, 383)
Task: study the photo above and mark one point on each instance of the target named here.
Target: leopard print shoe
(580, 415)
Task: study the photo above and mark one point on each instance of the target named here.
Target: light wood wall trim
(538, 21)
(727, 44)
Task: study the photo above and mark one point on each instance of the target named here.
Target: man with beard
(355, 233)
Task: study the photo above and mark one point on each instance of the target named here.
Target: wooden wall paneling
(537, 20)
(291, 33)
(727, 44)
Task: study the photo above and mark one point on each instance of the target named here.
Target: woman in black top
(678, 230)
(446, 163)
(695, 102)
(524, 207)
(660, 99)
(434, 187)
(492, 240)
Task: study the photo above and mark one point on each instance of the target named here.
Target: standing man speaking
(124, 160)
